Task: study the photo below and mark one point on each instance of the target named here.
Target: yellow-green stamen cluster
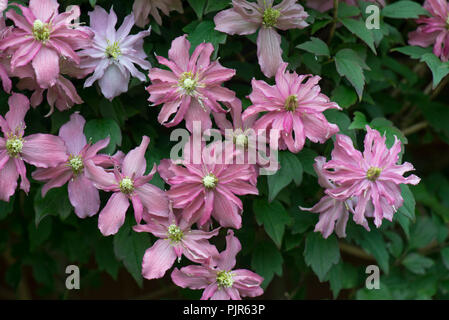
(188, 82)
(113, 50)
(241, 140)
(210, 181)
(76, 164)
(373, 173)
(174, 233)
(270, 17)
(291, 103)
(41, 31)
(225, 279)
(126, 186)
(14, 145)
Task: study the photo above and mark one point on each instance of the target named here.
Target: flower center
(126, 185)
(14, 146)
(210, 181)
(241, 140)
(373, 173)
(76, 163)
(225, 279)
(270, 17)
(291, 103)
(113, 50)
(174, 233)
(188, 82)
(41, 31)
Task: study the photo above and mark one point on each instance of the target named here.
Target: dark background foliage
(373, 74)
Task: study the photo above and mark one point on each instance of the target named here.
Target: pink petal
(179, 52)
(193, 277)
(231, 22)
(44, 150)
(227, 260)
(269, 51)
(83, 196)
(8, 180)
(46, 66)
(73, 135)
(44, 9)
(113, 215)
(158, 259)
(18, 108)
(154, 199)
(134, 164)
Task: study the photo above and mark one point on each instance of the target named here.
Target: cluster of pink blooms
(44, 47)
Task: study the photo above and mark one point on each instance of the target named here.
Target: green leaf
(439, 68)
(205, 32)
(129, 247)
(104, 255)
(55, 202)
(373, 243)
(273, 217)
(197, 6)
(445, 257)
(359, 121)
(412, 51)
(408, 208)
(359, 28)
(290, 170)
(342, 276)
(386, 127)
(98, 129)
(315, 46)
(216, 5)
(320, 254)
(351, 66)
(93, 3)
(404, 10)
(422, 233)
(423, 196)
(417, 263)
(267, 261)
(396, 245)
(383, 293)
(345, 10)
(344, 96)
(307, 158)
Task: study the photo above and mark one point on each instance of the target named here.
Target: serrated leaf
(359, 28)
(315, 46)
(198, 7)
(351, 66)
(290, 170)
(439, 68)
(320, 254)
(404, 10)
(205, 32)
(413, 51)
(408, 207)
(417, 263)
(359, 121)
(344, 96)
(98, 129)
(273, 217)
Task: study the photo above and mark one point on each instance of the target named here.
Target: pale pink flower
(40, 150)
(114, 53)
(42, 36)
(176, 239)
(334, 213)
(324, 5)
(372, 177)
(248, 17)
(433, 30)
(218, 279)
(294, 106)
(3, 5)
(83, 196)
(4, 61)
(142, 9)
(129, 184)
(193, 87)
(209, 189)
(62, 94)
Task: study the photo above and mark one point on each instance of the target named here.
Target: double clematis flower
(373, 177)
(40, 150)
(83, 196)
(41, 37)
(433, 30)
(114, 53)
(4, 61)
(294, 106)
(218, 278)
(142, 9)
(209, 188)
(175, 239)
(247, 17)
(128, 184)
(192, 89)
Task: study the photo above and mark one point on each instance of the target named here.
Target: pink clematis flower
(83, 196)
(4, 61)
(62, 94)
(42, 36)
(128, 185)
(294, 107)
(40, 150)
(334, 213)
(3, 5)
(373, 177)
(324, 5)
(176, 239)
(210, 187)
(114, 53)
(143, 8)
(433, 30)
(193, 87)
(248, 17)
(218, 279)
